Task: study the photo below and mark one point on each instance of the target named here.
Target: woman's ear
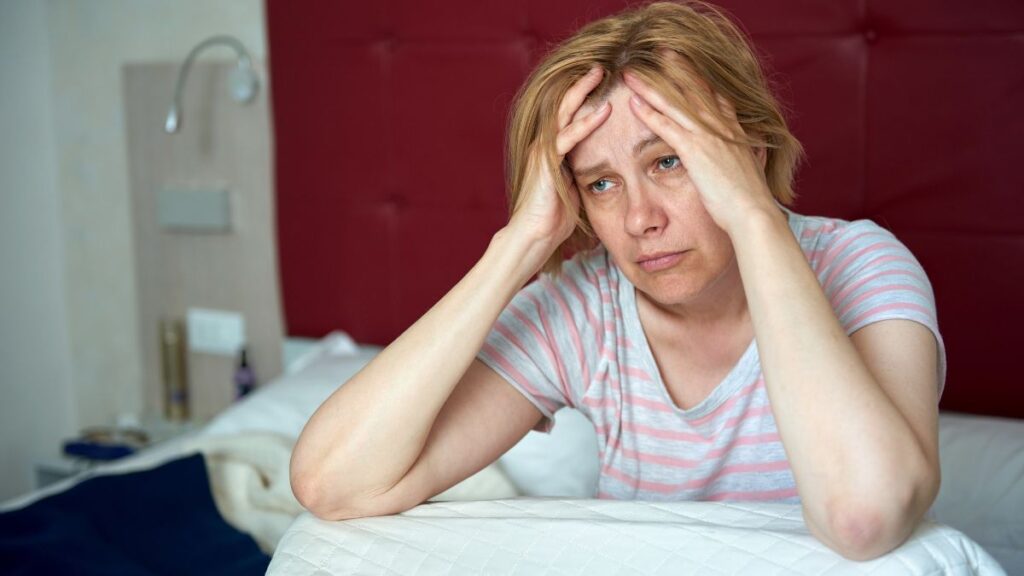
(762, 156)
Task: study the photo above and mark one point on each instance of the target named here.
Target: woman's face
(646, 211)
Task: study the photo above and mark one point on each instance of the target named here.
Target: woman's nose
(644, 213)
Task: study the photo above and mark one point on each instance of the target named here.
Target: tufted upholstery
(389, 119)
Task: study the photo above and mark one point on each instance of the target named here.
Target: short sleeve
(523, 347)
(871, 276)
(547, 340)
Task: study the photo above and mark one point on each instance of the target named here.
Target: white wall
(69, 337)
(90, 41)
(36, 395)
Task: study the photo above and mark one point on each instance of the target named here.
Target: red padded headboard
(389, 119)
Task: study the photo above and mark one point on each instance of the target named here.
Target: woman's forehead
(621, 132)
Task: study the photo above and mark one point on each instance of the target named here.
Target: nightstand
(55, 468)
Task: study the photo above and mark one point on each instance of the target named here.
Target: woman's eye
(601, 185)
(668, 162)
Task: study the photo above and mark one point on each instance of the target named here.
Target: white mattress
(561, 536)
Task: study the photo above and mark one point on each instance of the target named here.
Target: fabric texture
(575, 339)
(157, 521)
(597, 537)
(982, 492)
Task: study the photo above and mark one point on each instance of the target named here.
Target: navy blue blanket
(158, 521)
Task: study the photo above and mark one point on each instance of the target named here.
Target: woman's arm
(376, 430)
(368, 434)
(857, 415)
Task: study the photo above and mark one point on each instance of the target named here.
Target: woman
(725, 347)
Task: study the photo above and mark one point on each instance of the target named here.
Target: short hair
(643, 40)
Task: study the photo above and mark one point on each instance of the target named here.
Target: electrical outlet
(215, 331)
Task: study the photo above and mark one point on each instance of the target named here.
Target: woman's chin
(668, 290)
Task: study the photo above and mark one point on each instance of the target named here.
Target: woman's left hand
(728, 176)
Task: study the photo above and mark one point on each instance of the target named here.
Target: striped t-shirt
(576, 340)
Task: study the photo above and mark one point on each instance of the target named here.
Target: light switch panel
(215, 331)
(194, 210)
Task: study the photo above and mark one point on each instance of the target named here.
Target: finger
(728, 110)
(652, 98)
(575, 96)
(668, 129)
(731, 119)
(711, 118)
(576, 132)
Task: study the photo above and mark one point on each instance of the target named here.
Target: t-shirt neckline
(719, 394)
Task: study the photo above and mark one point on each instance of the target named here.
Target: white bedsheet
(556, 536)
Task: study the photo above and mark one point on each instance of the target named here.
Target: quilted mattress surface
(556, 536)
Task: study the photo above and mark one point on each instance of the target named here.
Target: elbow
(869, 528)
(881, 517)
(310, 494)
(861, 534)
(328, 501)
(315, 495)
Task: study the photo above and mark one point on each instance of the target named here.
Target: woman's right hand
(540, 214)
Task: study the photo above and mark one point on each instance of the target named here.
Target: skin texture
(646, 203)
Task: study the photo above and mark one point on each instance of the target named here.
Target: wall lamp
(244, 81)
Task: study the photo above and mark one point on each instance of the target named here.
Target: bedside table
(53, 469)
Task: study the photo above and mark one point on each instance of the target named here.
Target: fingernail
(637, 101)
(600, 109)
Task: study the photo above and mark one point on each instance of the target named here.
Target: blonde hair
(644, 41)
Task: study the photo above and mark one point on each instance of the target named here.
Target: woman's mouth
(660, 261)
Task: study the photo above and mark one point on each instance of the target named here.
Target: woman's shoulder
(590, 264)
(822, 233)
(842, 252)
(588, 275)
(586, 268)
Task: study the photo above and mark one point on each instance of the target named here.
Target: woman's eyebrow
(640, 146)
(585, 173)
(646, 143)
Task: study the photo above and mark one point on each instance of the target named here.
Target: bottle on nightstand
(245, 378)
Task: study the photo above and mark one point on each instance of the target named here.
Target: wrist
(762, 237)
(526, 253)
(756, 221)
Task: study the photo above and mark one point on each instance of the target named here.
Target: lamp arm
(173, 121)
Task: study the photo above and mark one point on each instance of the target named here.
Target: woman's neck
(722, 303)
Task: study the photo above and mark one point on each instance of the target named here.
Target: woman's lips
(661, 261)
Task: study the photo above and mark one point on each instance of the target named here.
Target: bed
(533, 511)
(878, 90)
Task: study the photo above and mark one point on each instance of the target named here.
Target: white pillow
(982, 493)
(562, 463)
(285, 404)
